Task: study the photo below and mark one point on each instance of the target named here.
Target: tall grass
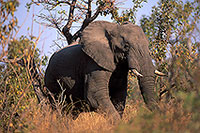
(20, 111)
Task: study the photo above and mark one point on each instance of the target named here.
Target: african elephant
(96, 69)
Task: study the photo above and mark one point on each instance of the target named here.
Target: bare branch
(52, 2)
(89, 13)
(67, 27)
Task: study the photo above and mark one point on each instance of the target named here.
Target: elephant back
(95, 41)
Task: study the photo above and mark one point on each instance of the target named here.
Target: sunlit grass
(136, 118)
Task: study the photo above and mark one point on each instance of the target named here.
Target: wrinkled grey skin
(95, 71)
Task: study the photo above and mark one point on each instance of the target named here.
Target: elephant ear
(95, 40)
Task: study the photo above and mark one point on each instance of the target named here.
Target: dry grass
(45, 120)
(170, 119)
(135, 119)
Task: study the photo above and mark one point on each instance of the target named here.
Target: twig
(21, 26)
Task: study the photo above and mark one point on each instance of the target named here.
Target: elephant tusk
(159, 73)
(137, 73)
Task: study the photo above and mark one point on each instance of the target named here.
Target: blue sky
(50, 34)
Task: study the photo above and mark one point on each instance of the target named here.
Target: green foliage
(107, 6)
(16, 89)
(8, 22)
(170, 29)
(169, 20)
(128, 14)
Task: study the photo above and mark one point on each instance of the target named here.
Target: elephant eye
(125, 44)
(124, 41)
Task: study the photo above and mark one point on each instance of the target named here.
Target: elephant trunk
(141, 65)
(146, 84)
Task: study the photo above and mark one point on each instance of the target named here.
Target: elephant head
(140, 61)
(108, 44)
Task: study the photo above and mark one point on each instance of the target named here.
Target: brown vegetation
(136, 118)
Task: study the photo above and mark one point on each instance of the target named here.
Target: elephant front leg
(97, 93)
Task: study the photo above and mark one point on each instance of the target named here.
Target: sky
(50, 34)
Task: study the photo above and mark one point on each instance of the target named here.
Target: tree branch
(86, 22)
(89, 13)
(89, 18)
(54, 3)
(67, 27)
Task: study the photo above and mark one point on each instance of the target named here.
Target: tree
(78, 11)
(62, 15)
(174, 46)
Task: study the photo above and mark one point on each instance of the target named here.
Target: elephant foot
(114, 118)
